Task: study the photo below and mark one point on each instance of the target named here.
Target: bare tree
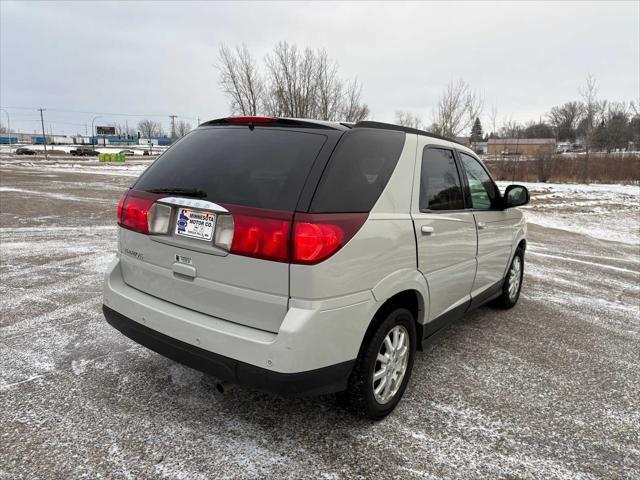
(240, 79)
(457, 108)
(564, 119)
(538, 129)
(124, 130)
(493, 116)
(296, 83)
(510, 129)
(150, 128)
(305, 84)
(353, 110)
(293, 81)
(612, 130)
(330, 89)
(182, 128)
(408, 119)
(592, 109)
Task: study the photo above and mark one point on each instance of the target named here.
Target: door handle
(184, 270)
(481, 225)
(426, 230)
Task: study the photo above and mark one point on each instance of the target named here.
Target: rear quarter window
(261, 168)
(358, 171)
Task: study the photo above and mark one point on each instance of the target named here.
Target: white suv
(307, 257)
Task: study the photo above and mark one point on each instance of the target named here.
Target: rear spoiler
(253, 121)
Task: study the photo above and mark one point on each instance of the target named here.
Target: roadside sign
(105, 130)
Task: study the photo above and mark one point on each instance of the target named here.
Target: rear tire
(381, 355)
(512, 283)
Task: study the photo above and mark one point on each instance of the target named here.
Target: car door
(445, 232)
(495, 225)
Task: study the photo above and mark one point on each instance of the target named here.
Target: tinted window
(481, 188)
(358, 170)
(264, 167)
(439, 181)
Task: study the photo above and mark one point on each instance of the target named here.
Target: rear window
(262, 168)
(358, 171)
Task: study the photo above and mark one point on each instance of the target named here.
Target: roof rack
(400, 128)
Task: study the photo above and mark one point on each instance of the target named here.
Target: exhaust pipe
(225, 387)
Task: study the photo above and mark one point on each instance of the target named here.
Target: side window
(482, 189)
(358, 171)
(439, 181)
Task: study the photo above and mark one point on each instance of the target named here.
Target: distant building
(521, 146)
(8, 138)
(463, 140)
(481, 148)
(113, 140)
(154, 141)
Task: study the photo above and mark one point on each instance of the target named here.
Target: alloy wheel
(391, 364)
(515, 275)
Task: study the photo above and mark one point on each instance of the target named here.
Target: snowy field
(605, 212)
(549, 389)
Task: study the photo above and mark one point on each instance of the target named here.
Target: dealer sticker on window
(195, 224)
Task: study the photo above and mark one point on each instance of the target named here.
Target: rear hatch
(181, 215)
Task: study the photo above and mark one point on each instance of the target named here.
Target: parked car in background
(306, 257)
(25, 151)
(83, 152)
(128, 153)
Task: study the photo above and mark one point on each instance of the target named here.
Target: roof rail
(400, 128)
(275, 121)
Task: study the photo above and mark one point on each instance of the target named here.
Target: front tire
(384, 365)
(512, 283)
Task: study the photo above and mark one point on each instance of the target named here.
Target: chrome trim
(193, 203)
(190, 244)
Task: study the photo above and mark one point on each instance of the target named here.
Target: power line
(101, 113)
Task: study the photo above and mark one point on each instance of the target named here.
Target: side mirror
(515, 196)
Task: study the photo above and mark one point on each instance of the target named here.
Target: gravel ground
(550, 389)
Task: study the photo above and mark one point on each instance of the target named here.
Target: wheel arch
(406, 286)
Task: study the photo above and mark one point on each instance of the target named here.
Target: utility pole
(173, 127)
(93, 132)
(44, 135)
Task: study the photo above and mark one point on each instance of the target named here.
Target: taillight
(318, 236)
(261, 233)
(120, 204)
(305, 239)
(133, 211)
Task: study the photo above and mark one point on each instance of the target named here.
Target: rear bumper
(314, 382)
(312, 352)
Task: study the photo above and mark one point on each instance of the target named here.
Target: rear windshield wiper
(185, 192)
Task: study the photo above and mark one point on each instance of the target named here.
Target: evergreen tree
(476, 131)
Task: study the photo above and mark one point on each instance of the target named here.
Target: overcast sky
(159, 57)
